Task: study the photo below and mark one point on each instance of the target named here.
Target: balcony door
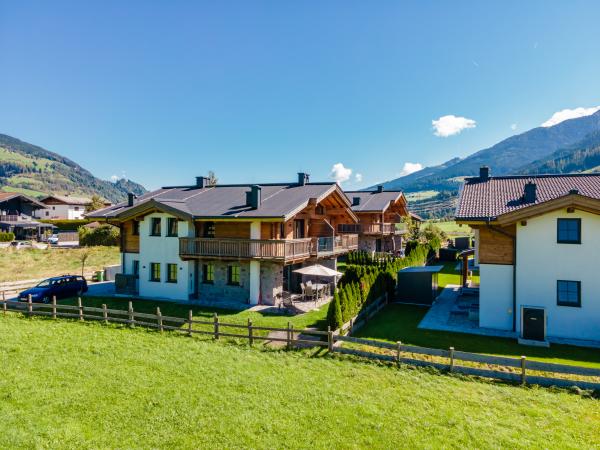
(299, 229)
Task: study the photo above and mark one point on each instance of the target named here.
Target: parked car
(18, 245)
(53, 240)
(61, 287)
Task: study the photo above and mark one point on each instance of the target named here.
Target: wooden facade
(130, 242)
(496, 246)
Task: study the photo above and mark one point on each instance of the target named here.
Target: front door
(534, 327)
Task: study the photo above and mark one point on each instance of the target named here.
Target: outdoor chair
(309, 293)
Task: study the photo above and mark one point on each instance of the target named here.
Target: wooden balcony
(277, 249)
(372, 228)
(273, 249)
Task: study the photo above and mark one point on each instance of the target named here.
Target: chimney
(484, 173)
(201, 182)
(530, 195)
(303, 178)
(355, 201)
(574, 191)
(130, 198)
(253, 197)
(380, 189)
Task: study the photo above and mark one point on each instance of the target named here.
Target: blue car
(60, 287)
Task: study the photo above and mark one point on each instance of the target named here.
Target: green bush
(7, 236)
(103, 235)
(67, 225)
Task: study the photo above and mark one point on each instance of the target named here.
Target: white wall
(541, 261)
(61, 212)
(164, 250)
(496, 296)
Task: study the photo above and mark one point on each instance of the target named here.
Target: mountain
(36, 171)
(506, 157)
(581, 157)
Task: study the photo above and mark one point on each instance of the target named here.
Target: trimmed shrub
(106, 235)
(7, 236)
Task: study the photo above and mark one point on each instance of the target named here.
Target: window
(135, 228)
(298, 228)
(155, 226)
(282, 230)
(171, 273)
(47, 213)
(172, 224)
(568, 293)
(208, 274)
(233, 275)
(569, 231)
(76, 208)
(135, 267)
(154, 271)
(208, 230)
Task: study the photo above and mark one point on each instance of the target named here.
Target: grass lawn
(34, 263)
(315, 318)
(449, 274)
(450, 227)
(72, 385)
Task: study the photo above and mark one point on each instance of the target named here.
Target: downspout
(514, 271)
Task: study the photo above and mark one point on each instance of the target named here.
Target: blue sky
(257, 91)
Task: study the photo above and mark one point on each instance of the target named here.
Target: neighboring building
(229, 242)
(64, 207)
(16, 216)
(537, 243)
(380, 215)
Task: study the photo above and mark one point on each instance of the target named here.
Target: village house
(16, 216)
(537, 240)
(64, 207)
(229, 242)
(380, 214)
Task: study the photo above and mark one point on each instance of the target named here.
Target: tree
(95, 204)
(212, 178)
(83, 256)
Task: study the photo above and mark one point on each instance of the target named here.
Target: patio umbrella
(318, 270)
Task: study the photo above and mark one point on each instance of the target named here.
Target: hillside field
(71, 385)
(27, 264)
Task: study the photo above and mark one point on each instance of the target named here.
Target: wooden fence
(508, 369)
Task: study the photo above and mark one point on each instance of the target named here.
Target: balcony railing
(277, 249)
(15, 218)
(373, 228)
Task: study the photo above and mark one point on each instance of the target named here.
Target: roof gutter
(514, 270)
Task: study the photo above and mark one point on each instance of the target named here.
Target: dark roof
(5, 196)
(228, 201)
(373, 201)
(486, 200)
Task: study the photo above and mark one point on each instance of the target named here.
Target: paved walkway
(439, 317)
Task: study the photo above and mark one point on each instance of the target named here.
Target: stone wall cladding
(271, 282)
(220, 290)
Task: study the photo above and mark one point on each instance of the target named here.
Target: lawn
(314, 319)
(29, 264)
(450, 227)
(71, 385)
(449, 274)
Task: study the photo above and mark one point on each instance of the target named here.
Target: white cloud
(449, 125)
(409, 168)
(340, 173)
(513, 126)
(358, 177)
(567, 114)
(115, 178)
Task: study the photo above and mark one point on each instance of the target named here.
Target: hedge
(364, 283)
(7, 236)
(67, 225)
(103, 235)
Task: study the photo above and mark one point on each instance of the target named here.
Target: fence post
(523, 370)
(80, 306)
(329, 339)
(54, 306)
(216, 319)
(451, 368)
(105, 313)
(159, 319)
(398, 349)
(292, 336)
(289, 344)
(131, 317)
(190, 317)
(29, 306)
(250, 337)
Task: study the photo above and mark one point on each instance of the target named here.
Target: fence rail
(397, 353)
